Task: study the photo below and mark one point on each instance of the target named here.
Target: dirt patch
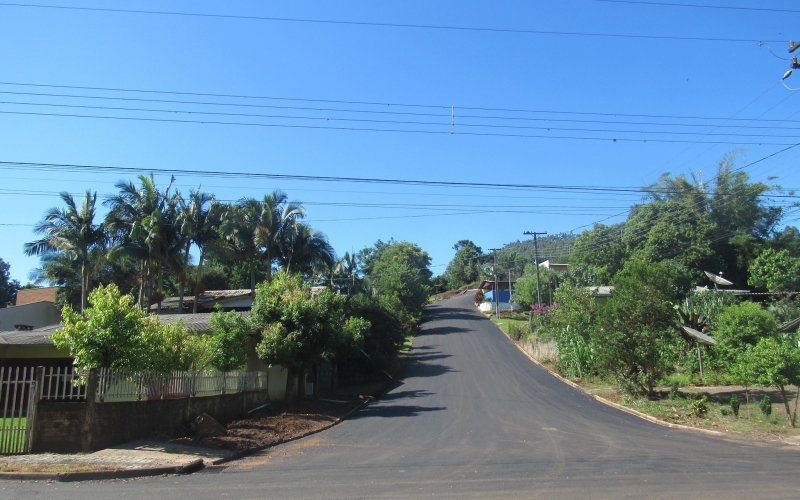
(58, 468)
(283, 423)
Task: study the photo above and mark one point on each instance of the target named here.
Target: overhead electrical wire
(333, 22)
(701, 6)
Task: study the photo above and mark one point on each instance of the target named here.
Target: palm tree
(145, 224)
(303, 248)
(199, 222)
(347, 268)
(252, 228)
(71, 230)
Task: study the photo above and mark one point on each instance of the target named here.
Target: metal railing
(63, 383)
(117, 386)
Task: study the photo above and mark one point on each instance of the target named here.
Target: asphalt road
(474, 417)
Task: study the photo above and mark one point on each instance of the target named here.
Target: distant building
(229, 300)
(35, 308)
(561, 268)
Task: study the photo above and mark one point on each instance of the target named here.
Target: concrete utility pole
(536, 261)
(496, 294)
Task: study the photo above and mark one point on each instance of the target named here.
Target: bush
(724, 411)
(740, 325)
(735, 405)
(766, 406)
(699, 407)
(516, 332)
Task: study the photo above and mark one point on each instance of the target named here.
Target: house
(561, 268)
(35, 308)
(229, 300)
(32, 348)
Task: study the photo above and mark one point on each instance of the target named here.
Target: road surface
(473, 417)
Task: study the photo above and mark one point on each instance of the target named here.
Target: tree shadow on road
(442, 330)
(394, 396)
(390, 411)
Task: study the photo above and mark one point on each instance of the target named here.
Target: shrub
(740, 325)
(766, 406)
(516, 332)
(735, 405)
(724, 411)
(699, 407)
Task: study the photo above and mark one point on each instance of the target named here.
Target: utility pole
(536, 262)
(496, 295)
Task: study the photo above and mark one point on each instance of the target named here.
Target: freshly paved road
(473, 417)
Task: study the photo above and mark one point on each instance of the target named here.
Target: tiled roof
(39, 336)
(205, 301)
(196, 323)
(28, 296)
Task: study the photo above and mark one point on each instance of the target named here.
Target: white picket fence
(116, 386)
(62, 383)
(17, 408)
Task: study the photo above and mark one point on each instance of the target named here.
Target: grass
(12, 441)
(407, 345)
(506, 322)
(751, 421)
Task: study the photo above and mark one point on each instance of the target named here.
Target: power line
(446, 109)
(404, 131)
(389, 25)
(700, 6)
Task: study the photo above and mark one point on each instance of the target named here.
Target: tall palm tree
(144, 222)
(199, 217)
(302, 248)
(71, 230)
(252, 228)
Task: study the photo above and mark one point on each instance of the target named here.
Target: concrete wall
(540, 348)
(63, 427)
(37, 315)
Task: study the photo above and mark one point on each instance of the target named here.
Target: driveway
(473, 417)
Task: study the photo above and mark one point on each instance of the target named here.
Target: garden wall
(540, 348)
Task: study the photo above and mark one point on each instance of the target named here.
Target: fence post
(37, 385)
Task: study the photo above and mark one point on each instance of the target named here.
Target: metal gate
(18, 396)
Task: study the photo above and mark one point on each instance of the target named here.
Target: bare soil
(283, 423)
(57, 468)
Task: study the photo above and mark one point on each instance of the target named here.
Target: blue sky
(562, 74)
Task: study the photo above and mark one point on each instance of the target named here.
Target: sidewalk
(134, 459)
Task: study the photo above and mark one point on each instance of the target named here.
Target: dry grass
(57, 468)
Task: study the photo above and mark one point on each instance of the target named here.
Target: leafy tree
(302, 249)
(405, 252)
(398, 278)
(572, 323)
(465, 268)
(636, 324)
(389, 323)
(601, 251)
(72, 231)
(230, 336)
(775, 271)
(773, 362)
(8, 286)
(738, 326)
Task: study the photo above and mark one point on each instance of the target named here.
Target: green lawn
(12, 441)
(506, 322)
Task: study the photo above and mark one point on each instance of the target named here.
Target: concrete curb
(64, 477)
(620, 407)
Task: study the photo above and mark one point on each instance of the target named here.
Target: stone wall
(540, 348)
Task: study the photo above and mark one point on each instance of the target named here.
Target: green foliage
(572, 324)
(8, 287)
(114, 333)
(389, 325)
(775, 271)
(230, 337)
(601, 251)
(636, 324)
(724, 411)
(735, 404)
(398, 278)
(393, 251)
(703, 308)
(738, 326)
(765, 404)
(699, 406)
(465, 268)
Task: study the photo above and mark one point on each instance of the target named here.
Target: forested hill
(554, 247)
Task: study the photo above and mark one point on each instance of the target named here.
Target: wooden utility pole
(496, 295)
(536, 262)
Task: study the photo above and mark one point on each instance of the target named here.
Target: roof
(205, 301)
(195, 323)
(601, 291)
(30, 295)
(39, 336)
(790, 326)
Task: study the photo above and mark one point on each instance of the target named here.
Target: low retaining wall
(540, 348)
(83, 426)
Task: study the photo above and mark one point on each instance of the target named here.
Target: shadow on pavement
(405, 394)
(442, 330)
(391, 411)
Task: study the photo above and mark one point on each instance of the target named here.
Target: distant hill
(555, 248)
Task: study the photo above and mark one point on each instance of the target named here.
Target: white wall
(35, 314)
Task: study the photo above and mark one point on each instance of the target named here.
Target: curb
(620, 407)
(64, 477)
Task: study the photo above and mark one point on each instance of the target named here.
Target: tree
(738, 326)
(572, 323)
(408, 253)
(601, 251)
(399, 279)
(71, 230)
(301, 249)
(465, 268)
(230, 337)
(775, 271)
(198, 226)
(636, 324)
(8, 287)
(773, 362)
